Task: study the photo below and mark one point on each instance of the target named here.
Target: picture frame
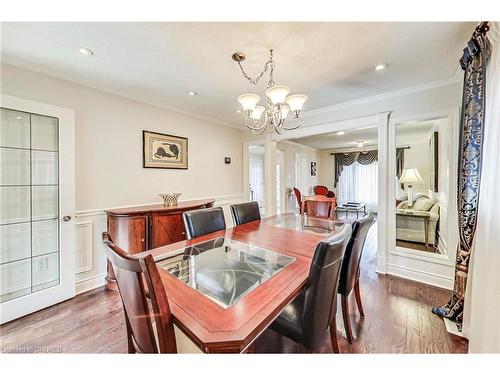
(164, 151)
(313, 168)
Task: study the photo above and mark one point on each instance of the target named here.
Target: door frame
(32, 302)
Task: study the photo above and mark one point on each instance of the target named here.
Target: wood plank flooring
(398, 320)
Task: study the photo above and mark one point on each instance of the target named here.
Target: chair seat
(289, 322)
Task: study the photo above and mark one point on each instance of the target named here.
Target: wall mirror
(422, 199)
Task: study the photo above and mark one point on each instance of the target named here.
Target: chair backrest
(245, 212)
(320, 296)
(128, 273)
(161, 308)
(204, 221)
(350, 265)
(298, 197)
(320, 190)
(319, 206)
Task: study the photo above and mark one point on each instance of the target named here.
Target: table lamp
(410, 176)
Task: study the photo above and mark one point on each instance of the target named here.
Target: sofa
(410, 228)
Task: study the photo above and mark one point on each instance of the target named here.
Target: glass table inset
(305, 223)
(223, 269)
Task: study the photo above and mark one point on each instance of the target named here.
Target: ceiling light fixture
(381, 66)
(192, 93)
(340, 133)
(277, 111)
(85, 51)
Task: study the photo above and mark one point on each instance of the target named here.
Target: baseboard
(90, 283)
(452, 328)
(420, 276)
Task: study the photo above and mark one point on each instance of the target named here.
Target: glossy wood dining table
(216, 329)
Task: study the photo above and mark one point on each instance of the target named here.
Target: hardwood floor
(398, 320)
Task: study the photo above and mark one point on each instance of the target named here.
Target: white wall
(108, 149)
(290, 149)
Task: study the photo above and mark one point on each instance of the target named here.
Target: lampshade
(296, 101)
(277, 94)
(248, 101)
(284, 111)
(410, 176)
(257, 112)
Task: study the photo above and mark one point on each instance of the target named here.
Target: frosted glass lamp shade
(296, 101)
(257, 112)
(277, 94)
(248, 101)
(284, 111)
(410, 176)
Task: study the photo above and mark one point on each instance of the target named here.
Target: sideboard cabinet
(137, 229)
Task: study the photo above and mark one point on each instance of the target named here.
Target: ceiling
(160, 62)
(406, 133)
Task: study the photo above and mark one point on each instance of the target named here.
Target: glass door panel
(29, 191)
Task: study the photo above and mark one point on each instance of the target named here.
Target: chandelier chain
(267, 65)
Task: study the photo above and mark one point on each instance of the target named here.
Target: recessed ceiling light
(19, 117)
(360, 143)
(192, 93)
(238, 111)
(85, 51)
(340, 133)
(381, 66)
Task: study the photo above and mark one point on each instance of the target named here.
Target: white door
(257, 181)
(37, 205)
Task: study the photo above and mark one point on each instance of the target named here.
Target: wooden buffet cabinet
(137, 229)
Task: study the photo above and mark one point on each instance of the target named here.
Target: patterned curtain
(365, 158)
(348, 158)
(400, 163)
(473, 61)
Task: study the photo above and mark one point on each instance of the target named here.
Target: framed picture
(164, 151)
(313, 168)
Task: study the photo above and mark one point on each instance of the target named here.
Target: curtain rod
(397, 148)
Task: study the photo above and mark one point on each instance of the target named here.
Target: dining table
(225, 288)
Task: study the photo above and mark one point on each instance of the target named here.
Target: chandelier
(279, 103)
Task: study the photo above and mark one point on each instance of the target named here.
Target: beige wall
(290, 149)
(108, 145)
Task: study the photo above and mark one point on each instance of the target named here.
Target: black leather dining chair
(204, 221)
(349, 274)
(245, 212)
(306, 319)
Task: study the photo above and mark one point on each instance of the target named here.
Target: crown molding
(457, 77)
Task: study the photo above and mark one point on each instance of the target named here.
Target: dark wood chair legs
(333, 336)
(347, 321)
(357, 295)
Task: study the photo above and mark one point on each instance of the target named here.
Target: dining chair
(204, 221)
(245, 212)
(320, 190)
(147, 331)
(349, 274)
(308, 316)
(298, 197)
(319, 206)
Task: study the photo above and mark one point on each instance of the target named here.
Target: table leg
(426, 229)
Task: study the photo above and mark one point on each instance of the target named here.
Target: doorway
(37, 204)
(256, 175)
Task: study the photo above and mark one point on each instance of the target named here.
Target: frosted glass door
(29, 200)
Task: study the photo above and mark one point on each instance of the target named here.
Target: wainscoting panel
(90, 262)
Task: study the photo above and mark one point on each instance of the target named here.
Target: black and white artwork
(164, 151)
(313, 168)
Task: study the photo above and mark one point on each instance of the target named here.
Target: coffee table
(352, 207)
